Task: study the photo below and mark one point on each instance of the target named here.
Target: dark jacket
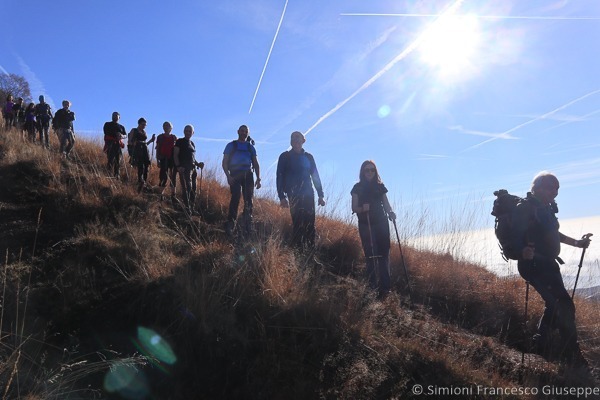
(296, 175)
(63, 119)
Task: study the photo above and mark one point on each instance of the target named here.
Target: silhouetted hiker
(296, 175)
(8, 113)
(114, 133)
(43, 115)
(165, 142)
(63, 125)
(537, 239)
(30, 125)
(141, 156)
(184, 157)
(19, 114)
(371, 205)
(239, 159)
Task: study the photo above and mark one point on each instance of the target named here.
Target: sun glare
(451, 45)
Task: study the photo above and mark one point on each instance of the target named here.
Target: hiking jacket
(114, 131)
(536, 223)
(164, 145)
(296, 175)
(43, 112)
(63, 119)
(371, 193)
(187, 153)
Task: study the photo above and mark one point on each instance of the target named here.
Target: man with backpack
(184, 158)
(536, 242)
(114, 133)
(165, 143)
(296, 175)
(43, 116)
(63, 125)
(239, 159)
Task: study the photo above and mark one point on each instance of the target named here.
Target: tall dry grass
(252, 319)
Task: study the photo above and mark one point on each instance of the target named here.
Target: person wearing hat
(43, 117)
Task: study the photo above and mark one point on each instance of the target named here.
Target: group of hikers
(535, 236)
(37, 118)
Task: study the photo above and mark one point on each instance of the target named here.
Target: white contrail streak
(476, 16)
(386, 68)
(506, 134)
(268, 57)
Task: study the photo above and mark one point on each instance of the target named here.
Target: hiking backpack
(234, 149)
(504, 210)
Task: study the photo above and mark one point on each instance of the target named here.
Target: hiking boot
(229, 225)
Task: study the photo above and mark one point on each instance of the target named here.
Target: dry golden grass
(252, 320)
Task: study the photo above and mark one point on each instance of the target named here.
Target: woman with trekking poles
(371, 205)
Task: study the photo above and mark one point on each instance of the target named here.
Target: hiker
(537, 239)
(114, 133)
(30, 124)
(7, 112)
(184, 158)
(62, 123)
(139, 140)
(296, 175)
(239, 159)
(165, 142)
(43, 114)
(371, 205)
(19, 115)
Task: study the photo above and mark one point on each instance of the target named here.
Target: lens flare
(154, 345)
(384, 111)
(126, 380)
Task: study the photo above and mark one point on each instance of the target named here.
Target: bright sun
(451, 45)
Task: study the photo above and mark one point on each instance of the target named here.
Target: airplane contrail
(506, 134)
(268, 57)
(552, 18)
(411, 47)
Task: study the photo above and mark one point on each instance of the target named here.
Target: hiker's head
(9, 97)
(20, 100)
(188, 131)
(31, 105)
(368, 172)
(167, 127)
(545, 186)
(42, 98)
(297, 140)
(243, 132)
(142, 123)
(116, 116)
(66, 104)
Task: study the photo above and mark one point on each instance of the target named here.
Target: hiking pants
(559, 312)
(113, 152)
(188, 186)
(167, 173)
(67, 140)
(43, 129)
(377, 255)
(302, 209)
(243, 184)
(8, 120)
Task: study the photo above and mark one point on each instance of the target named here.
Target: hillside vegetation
(107, 293)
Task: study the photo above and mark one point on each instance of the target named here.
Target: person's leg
(236, 190)
(366, 240)
(248, 195)
(381, 234)
(193, 176)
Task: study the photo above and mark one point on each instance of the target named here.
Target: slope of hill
(107, 293)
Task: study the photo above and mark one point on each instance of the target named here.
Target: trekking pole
(526, 316)
(584, 237)
(373, 256)
(402, 259)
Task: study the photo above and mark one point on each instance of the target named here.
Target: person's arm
(176, 159)
(388, 208)
(356, 208)
(317, 181)
(280, 179)
(151, 140)
(225, 165)
(257, 170)
(582, 244)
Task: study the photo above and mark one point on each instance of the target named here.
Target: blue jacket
(296, 175)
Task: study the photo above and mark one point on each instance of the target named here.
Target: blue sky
(450, 108)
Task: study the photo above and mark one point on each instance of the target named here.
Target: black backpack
(504, 210)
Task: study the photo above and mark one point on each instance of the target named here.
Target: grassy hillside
(107, 293)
